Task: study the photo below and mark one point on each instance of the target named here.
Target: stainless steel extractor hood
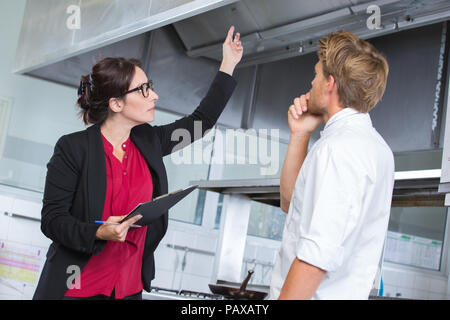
(47, 37)
(271, 30)
(274, 30)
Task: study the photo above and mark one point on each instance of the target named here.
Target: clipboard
(152, 210)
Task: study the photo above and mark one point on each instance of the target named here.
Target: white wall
(413, 284)
(41, 111)
(23, 234)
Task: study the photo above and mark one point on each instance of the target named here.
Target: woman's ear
(115, 105)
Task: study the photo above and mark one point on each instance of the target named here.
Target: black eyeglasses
(144, 88)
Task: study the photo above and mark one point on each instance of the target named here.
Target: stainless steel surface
(291, 28)
(45, 38)
(373, 297)
(69, 71)
(418, 198)
(252, 16)
(407, 192)
(232, 238)
(445, 173)
(181, 82)
(444, 185)
(157, 293)
(278, 84)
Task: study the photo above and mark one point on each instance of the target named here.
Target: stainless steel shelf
(407, 193)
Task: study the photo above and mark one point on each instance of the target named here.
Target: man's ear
(115, 105)
(331, 83)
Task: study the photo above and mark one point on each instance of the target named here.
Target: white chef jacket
(339, 210)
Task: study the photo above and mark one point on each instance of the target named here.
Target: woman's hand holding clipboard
(113, 230)
(152, 210)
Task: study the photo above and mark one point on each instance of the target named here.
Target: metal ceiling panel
(69, 71)
(45, 37)
(209, 27)
(270, 14)
(251, 16)
(276, 30)
(101, 17)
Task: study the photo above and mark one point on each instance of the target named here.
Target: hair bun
(84, 93)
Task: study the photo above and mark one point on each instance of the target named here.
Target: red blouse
(118, 266)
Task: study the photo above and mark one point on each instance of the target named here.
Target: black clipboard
(152, 210)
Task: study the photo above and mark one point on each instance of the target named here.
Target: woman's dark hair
(109, 78)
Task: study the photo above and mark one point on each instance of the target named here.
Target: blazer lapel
(96, 175)
(148, 150)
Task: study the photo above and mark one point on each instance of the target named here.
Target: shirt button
(124, 173)
(124, 145)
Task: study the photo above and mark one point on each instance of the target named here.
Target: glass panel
(247, 154)
(180, 172)
(251, 154)
(415, 236)
(266, 221)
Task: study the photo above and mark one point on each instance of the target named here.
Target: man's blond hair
(359, 70)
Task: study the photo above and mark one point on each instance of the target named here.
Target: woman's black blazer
(75, 190)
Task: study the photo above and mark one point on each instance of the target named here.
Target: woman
(101, 173)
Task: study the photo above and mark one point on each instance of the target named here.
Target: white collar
(340, 115)
(344, 114)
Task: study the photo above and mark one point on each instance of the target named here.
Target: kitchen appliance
(240, 293)
(157, 293)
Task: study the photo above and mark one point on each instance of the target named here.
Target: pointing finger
(229, 38)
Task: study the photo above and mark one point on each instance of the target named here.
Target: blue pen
(115, 223)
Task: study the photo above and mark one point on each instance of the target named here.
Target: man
(338, 196)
